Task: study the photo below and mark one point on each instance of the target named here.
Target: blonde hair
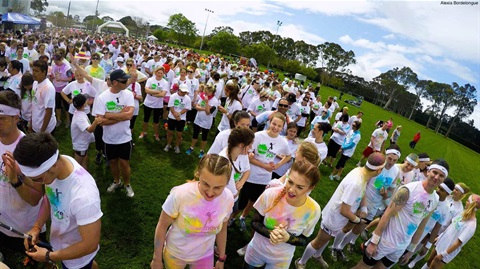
(215, 164)
(465, 188)
(280, 116)
(470, 209)
(310, 152)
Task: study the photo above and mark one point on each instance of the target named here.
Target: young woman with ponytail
(458, 233)
(285, 217)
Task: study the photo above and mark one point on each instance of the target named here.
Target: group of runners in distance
(402, 205)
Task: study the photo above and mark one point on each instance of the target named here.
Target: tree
(107, 18)
(420, 89)
(225, 42)
(39, 6)
(465, 103)
(395, 80)
(219, 29)
(160, 34)
(18, 6)
(182, 29)
(261, 52)
(58, 18)
(334, 57)
(441, 94)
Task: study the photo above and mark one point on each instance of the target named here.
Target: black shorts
(342, 161)
(250, 192)
(371, 261)
(82, 153)
(59, 102)
(333, 148)
(157, 114)
(15, 245)
(177, 125)
(120, 151)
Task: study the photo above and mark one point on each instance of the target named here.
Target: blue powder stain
(411, 228)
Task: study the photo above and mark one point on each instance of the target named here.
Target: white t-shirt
(100, 86)
(14, 211)
(118, 133)
(263, 118)
(317, 119)
(265, 149)
(353, 119)
(292, 146)
(138, 90)
(197, 221)
(338, 137)
(13, 83)
(155, 85)
(76, 88)
(81, 138)
(403, 178)
(74, 201)
(225, 122)
(303, 110)
(379, 137)
(242, 164)
(257, 106)
(350, 191)
(401, 227)
(454, 207)
(322, 147)
(220, 142)
(202, 119)
(247, 95)
(351, 139)
(440, 215)
(194, 85)
(43, 97)
(179, 103)
(385, 180)
(30, 54)
(294, 111)
(458, 229)
(298, 220)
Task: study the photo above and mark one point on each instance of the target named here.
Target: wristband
(412, 247)
(375, 239)
(364, 209)
(222, 259)
(47, 256)
(428, 245)
(356, 221)
(19, 182)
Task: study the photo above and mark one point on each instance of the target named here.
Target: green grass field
(128, 225)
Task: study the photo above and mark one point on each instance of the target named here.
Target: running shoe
(298, 265)
(411, 265)
(243, 225)
(157, 138)
(142, 135)
(230, 222)
(201, 154)
(334, 255)
(98, 158)
(129, 190)
(114, 186)
(331, 177)
(341, 255)
(177, 150)
(349, 248)
(364, 235)
(189, 151)
(320, 260)
(241, 251)
(337, 177)
(167, 148)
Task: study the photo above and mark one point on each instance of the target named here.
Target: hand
(219, 265)
(279, 235)
(439, 257)
(239, 185)
(98, 120)
(11, 167)
(156, 264)
(362, 215)
(37, 253)
(34, 233)
(371, 250)
(268, 167)
(405, 258)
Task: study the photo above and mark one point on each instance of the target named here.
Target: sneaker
(334, 255)
(177, 150)
(142, 135)
(189, 151)
(243, 225)
(98, 158)
(349, 248)
(230, 222)
(114, 186)
(58, 124)
(341, 255)
(364, 235)
(157, 138)
(165, 126)
(241, 251)
(167, 148)
(298, 265)
(331, 177)
(320, 260)
(337, 177)
(129, 190)
(67, 125)
(201, 154)
(411, 265)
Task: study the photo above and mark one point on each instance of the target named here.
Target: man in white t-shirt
(116, 106)
(377, 143)
(19, 197)
(43, 100)
(411, 207)
(72, 202)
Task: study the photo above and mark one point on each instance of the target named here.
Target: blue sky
(439, 42)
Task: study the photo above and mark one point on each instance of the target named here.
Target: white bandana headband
(8, 110)
(446, 188)
(424, 159)
(470, 200)
(441, 168)
(458, 187)
(36, 171)
(393, 151)
(412, 162)
(372, 167)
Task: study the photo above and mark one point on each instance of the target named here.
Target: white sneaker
(129, 190)
(241, 251)
(298, 265)
(320, 260)
(337, 177)
(177, 150)
(167, 148)
(114, 186)
(331, 177)
(142, 135)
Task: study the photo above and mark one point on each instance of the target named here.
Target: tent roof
(18, 18)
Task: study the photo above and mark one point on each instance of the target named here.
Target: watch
(47, 256)
(19, 182)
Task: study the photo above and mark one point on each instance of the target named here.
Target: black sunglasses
(123, 81)
(129, 64)
(282, 105)
(95, 59)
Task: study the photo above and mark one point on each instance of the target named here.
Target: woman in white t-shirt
(292, 142)
(285, 217)
(458, 233)
(239, 118)
(81, 130)
(340, 130)
(318, 132)
(232, 104)
(156, 88)
(197, 213)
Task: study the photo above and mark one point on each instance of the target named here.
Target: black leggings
(196, 132)
(157, 114)
(98, 138)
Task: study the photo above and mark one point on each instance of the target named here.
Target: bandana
(36, 171)
(441, 168)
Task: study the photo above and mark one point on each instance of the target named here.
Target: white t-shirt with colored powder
(43, 97)
(81, 138)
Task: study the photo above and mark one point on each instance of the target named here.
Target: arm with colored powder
(160, 235)
(221, 240)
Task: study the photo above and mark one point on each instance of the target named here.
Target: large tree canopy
(182, 29)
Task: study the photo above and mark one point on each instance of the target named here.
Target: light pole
(279, 23)
(204, 29)
(95, 18)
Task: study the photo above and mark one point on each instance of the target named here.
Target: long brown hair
(239, 135)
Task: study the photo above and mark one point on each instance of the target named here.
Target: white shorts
(256, 259)
(330, 231)
(392, 253)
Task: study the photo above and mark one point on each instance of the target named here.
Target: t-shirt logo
(111, 105)
(262, 149)
(202, 103)
(237, 176)
(154, 86)
(77, 92)
(260, 108)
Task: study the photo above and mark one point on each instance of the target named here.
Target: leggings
(196, 132)
(98, 138)
(157, 114)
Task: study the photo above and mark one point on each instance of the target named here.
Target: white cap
(119, 59)
(184, 88)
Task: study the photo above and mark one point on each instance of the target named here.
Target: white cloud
(389, 36)
(330, 8)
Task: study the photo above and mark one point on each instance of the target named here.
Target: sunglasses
(282, 105)
(263, 96)
(305, 100)
(129, 64)
(123, 81)
(95, 59)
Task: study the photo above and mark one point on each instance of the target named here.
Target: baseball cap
(335, 98)
(118, 74)
(119, 59)
(183, 88)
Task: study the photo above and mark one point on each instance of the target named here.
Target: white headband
(424, 159)
(439, 167)
(446, 188)
(8, 110)
(36, 171)
(414, 163)
(470, 200)
(374, 168)
(460, 188)
(393, 151)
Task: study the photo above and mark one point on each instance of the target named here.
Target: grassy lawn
(128, 225)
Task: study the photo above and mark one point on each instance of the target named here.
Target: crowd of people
(257, 166)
